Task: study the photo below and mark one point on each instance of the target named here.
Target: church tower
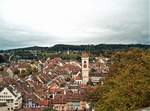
(85, 67)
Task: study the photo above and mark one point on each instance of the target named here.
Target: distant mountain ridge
(59, 50)
(100, 47)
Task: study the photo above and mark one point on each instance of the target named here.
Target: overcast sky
(48, 22)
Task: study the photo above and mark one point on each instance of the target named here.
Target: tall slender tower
(85, 67)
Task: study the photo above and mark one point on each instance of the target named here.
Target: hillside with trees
(127, 87)
(60, 50)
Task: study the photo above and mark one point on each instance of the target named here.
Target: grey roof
(1, 88)
(10, 88)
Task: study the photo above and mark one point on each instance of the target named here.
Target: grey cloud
(127, 21)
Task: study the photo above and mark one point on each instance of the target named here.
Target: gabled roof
(59, 99)
(1, 88)
(44, 102)
(10, 89)
(23, 65)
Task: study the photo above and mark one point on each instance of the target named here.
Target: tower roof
(85, 54)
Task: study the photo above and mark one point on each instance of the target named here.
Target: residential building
(3, 106)
(11, 97)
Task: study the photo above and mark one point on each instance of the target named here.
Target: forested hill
(59, 50)
(91, 48)
(98, 48)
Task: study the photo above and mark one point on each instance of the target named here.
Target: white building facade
(85, 67)
(11, 97)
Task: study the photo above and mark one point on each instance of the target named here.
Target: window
(5, 92)
(16, 107)
(33, 105)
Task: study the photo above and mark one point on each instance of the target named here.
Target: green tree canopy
(127, 87)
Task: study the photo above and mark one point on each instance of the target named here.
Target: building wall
(13, 102)
(73, 106)
(82, 105)
(3, 108)
(85, 69)
(60, 107)
(30, 104)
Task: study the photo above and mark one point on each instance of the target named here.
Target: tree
(127, 86)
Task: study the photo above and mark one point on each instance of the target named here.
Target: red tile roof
(44, 102)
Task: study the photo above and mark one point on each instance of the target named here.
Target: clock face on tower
(85, 66)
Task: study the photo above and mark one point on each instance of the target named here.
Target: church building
(85, 67)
